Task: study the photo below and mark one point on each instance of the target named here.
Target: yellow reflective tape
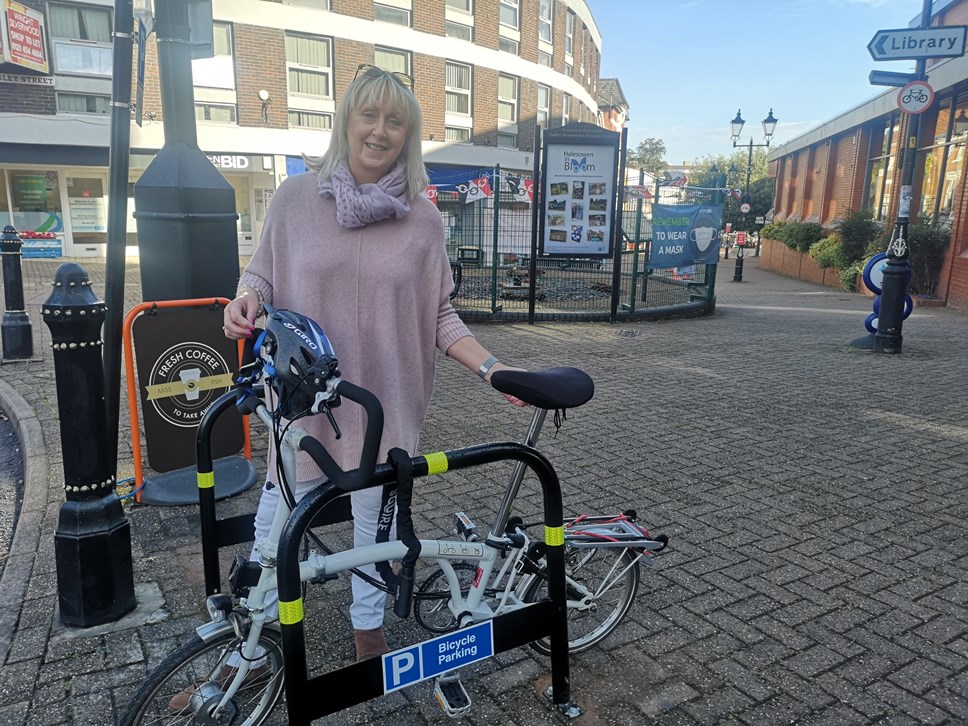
(436, 463)
(206, 480)
(554, 536)
(290, 613)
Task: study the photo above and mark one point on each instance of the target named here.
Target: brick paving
(814, 494)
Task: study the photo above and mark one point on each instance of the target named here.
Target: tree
(761, 186)
(648, 156)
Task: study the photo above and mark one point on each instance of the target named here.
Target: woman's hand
(501, 367)
(238, 318)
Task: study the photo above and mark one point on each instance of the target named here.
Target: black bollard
(738, 267)
(890, 319)
(92, 544)
(18, 343)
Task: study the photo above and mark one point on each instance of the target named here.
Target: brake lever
(332, 422)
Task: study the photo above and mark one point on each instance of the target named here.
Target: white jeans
(366, 611)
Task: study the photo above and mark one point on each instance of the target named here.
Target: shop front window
(88, 209)
(241, 186)
(35, 196)
(5, 218)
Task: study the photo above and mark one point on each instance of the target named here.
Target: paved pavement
(814, 494)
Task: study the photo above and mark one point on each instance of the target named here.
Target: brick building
(854, 161)
(486, 72)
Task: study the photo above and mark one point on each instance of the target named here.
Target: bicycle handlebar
(360, 477)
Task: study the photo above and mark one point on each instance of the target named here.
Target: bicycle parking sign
(431, 658)
(916, 97)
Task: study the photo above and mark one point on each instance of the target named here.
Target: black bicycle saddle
(550, 389)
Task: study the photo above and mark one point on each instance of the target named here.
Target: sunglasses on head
(404, 79)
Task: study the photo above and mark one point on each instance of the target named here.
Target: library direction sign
(918, 43)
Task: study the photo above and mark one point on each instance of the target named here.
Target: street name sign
(890, 78)
(918, 43)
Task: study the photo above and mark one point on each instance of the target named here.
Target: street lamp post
(735, 129)
(731, 173)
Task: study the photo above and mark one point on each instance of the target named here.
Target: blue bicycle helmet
(297, 358)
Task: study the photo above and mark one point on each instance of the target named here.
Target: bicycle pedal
(451, 695)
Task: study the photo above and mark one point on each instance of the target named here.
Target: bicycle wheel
(431, 603)
(610, 576)
(195, 668)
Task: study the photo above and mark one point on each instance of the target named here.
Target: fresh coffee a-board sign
(184, 364)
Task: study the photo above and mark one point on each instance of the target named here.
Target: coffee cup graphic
(703, 236)
(190, 377)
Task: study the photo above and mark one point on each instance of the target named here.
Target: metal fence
(490, 241)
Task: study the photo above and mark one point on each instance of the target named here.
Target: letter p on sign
(401, 669)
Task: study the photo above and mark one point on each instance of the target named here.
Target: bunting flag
(432, 193)
(637, 191)
(521, 189)
(475, 189)
(674, 179)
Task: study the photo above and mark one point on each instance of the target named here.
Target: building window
(545, 17)
(570, 32)
(390, 59)
(943, 164)
(81, 37)
(569, 69)
(459, 31)
(565, 108)
(457, 86)
(880, 169)
(217, 112)
(507, 141)
(222, 39)
(81, 103)
(544, 105)
(507, 45)
(544, 59)
(315, 4)
(464, 6)
(458, 134)
(507, 98)
(309, 65)
(509, 13)
(310, 120)
(219, 70)
(390, 14)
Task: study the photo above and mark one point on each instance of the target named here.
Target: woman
(355, 245)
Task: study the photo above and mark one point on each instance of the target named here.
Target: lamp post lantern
(735, 129)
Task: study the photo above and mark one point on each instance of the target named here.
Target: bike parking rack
(362, 681)
(327, 504)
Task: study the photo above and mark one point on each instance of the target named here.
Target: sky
(686, 66)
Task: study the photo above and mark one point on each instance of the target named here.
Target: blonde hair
(365, 91)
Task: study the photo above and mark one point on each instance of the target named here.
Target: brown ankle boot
(370, 643)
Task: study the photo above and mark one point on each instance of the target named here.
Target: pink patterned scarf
(357, 206)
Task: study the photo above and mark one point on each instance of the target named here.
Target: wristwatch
(485, 367)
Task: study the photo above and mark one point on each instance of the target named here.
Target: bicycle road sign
(430, 658)
(916, 97)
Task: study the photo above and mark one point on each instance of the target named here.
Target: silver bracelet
(485, 367)
(258, 294)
